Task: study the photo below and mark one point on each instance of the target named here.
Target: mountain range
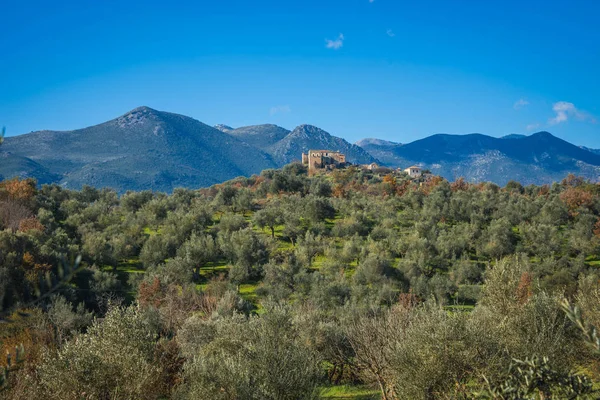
(157, 150)
(535, 159)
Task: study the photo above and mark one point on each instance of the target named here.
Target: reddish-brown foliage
(18, 189)
(544, 190)
(459, 185)
(408, 301)
(597, 228)
(30, 224)
(403, 188)
(428, 186)
(524, 290)
(575, 198)
(150, 293)
(339, 191)
(573, 181)
(33, 269)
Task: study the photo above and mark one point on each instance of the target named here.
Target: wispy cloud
(280, 110)
(335, 44)
(520, 104)
(370, 1)
(390, 33)
(565, 110)
(532, 127)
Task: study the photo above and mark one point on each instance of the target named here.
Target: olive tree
(247, 358)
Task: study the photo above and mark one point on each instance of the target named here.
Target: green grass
(349, 392)
(248, 292)
(318, 261)
(125, 269)
(151, 232)
(214, 269)
(593, 261)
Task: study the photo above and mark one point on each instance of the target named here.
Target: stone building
(323, 160)
(414, 171)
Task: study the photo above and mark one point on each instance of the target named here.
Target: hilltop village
(328, 160)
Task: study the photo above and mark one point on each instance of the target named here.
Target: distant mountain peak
(309, 137)
(142, 149)
(543, 134)
(376, 142)
(224, 128)
(137, 116)
(142, 108)
(309, 131)
(513, 136)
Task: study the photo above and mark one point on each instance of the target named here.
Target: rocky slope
(143, 149)
(539, 158)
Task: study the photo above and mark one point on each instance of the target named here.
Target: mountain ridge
(141, 149)
(538, 158)
(149, 149)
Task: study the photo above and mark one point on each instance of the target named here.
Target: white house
(414, 171)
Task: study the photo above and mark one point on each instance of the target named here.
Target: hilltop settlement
(328, 160)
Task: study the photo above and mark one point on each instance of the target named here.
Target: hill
(307, 137)
(539, 158)
(262, 136)
(286, 146)
(143, 149)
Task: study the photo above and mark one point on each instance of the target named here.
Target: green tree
(269, 217)
(248, 358)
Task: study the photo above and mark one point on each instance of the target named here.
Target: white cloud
(532, 127)
(520, 104)
(565, 110)
(335, 44)
(280, 110)
(390, 33)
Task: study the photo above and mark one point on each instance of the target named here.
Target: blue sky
(392, 69)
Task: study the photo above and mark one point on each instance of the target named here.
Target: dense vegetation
(357, 283)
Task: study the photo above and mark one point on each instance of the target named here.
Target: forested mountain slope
(143, 149)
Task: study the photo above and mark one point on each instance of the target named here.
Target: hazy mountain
(224, 128)
(285, 146)
(595, 151)
(382, 150)
(143, 149)
(376, 142)
(514, 136)
(149, 149)
(539, 158)
(261, 136)
(309, 137)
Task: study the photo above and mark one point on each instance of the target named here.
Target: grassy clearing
(593, 261)
(248, 292)
(349, 392)
(214, 269)
(151, 232)
(126, 270)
